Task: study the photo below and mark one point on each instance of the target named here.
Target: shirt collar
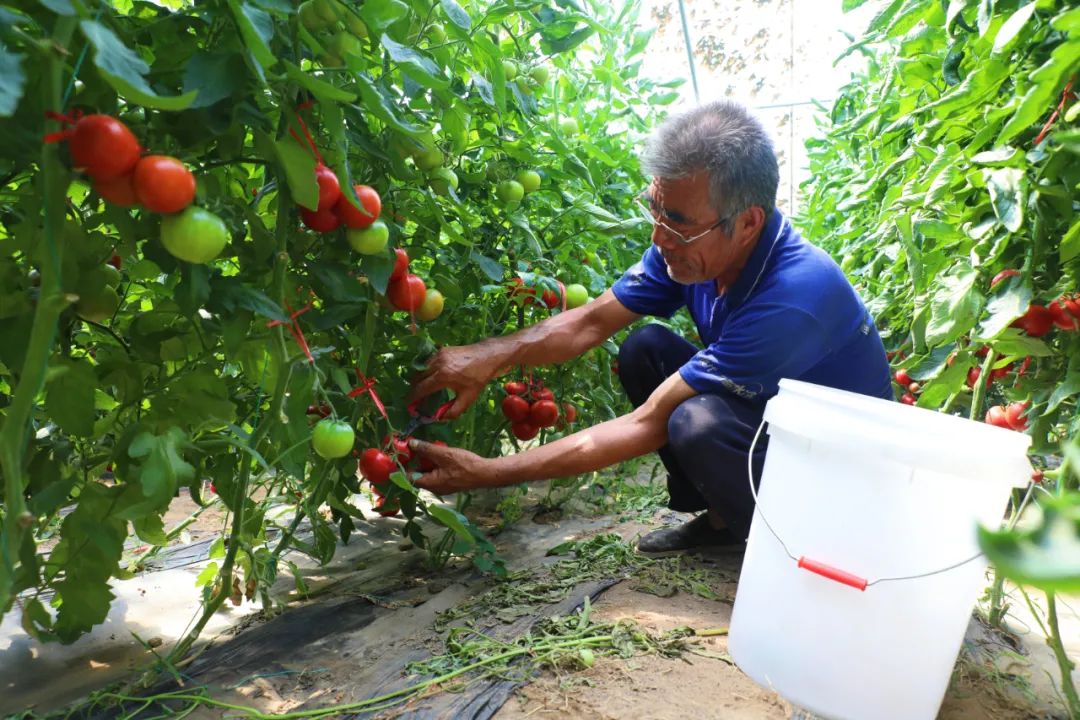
(772, 235)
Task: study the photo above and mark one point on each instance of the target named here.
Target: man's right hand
(465, 370)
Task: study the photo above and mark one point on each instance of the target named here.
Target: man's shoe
(696, 533)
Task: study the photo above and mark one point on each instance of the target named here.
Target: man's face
(683, 205)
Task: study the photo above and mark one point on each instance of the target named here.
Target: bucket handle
(818, 567)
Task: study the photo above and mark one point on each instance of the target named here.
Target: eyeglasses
(654, 219)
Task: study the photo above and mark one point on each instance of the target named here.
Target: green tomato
(576, 295)
(510, 69)
(310, 17)
(432, 306)
(587, 657)
(509, 191)
(429, 159)
(540, 74)
(329, 10)
(356, 26)
(436, 34)
(529, 179)
(332, 438)
(569, 126)
(112, 275)
(442, 179)
(194, 235)
(371, 240)
(98, 307)
(173, 349)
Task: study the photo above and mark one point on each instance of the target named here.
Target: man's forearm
(562, 337)
(590, 449)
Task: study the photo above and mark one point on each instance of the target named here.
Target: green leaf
(1066, 388)
(214, 77)
(420, 68)
(1046, 556)
(1004, 307)
(299, 165)
(377, 268)
(381, 14)
(1070, 244)
(453, 520)
(229, 293)
(374, 102)
(194, 288)
(151, 529)
(456, 13)
(324, 91)
(126, 71)
(1047, 83)
(257, 30)
(954, 307)
(12, 80)
(1007, 195)
(60, 7)
(1014, 343)
(207, 575)
(69, 397)
(162, 469)
(489, 267)
(1012, 27)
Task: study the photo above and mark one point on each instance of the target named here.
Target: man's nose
(663, 239)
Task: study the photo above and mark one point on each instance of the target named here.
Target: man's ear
(749, 223)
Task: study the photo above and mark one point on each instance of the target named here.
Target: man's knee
(696, 423)
(642, 343)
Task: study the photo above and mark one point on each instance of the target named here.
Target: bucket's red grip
(832, 573)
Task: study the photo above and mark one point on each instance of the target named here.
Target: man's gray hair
(726, 141)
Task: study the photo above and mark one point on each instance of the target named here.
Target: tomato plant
(199, 147)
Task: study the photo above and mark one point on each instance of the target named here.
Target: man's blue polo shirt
(790, 314)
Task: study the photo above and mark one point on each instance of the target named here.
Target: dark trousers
(709, 435)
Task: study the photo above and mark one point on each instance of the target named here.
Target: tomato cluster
(377, 464)
(530, 406)
(903, 379)
(569, 296)
(1010, 417)
(1062, 313)
(408, 292)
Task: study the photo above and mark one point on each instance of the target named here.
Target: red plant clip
(307, 135)
(367, 385)
(66, 120)
(1053, 118)
(828, 571)
(294, 329)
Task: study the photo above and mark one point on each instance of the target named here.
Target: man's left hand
(456, 470)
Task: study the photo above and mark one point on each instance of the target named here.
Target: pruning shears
(417, 419)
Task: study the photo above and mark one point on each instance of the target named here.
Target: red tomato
(1071, 303)
(519, 293)
(569, 412)
(1036, 322)
(1000, 372)
(103, 147)
(515, 387)
(401, 264)
(1014, 416)
(116, 261)
(322, 410)
(163, 184)
(120, 191)
(329, 187)
(1002, 275)
(908, 399)
(397, 447)
(996, 416)
(981, 352)
(426, 463)
(354, 217)
(323, 221)
(1061, 317)
(406, 293)
(543, 394)
(902, 378)
(524, 430)
(376, 466)
(386, 508)
(914, 388)
(551, 299)
(515, 408)
(973, 376)
(543, 413)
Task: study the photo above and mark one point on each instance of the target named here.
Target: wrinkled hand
(456, 469)
(465, 370)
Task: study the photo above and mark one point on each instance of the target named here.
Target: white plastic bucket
(877, 490)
